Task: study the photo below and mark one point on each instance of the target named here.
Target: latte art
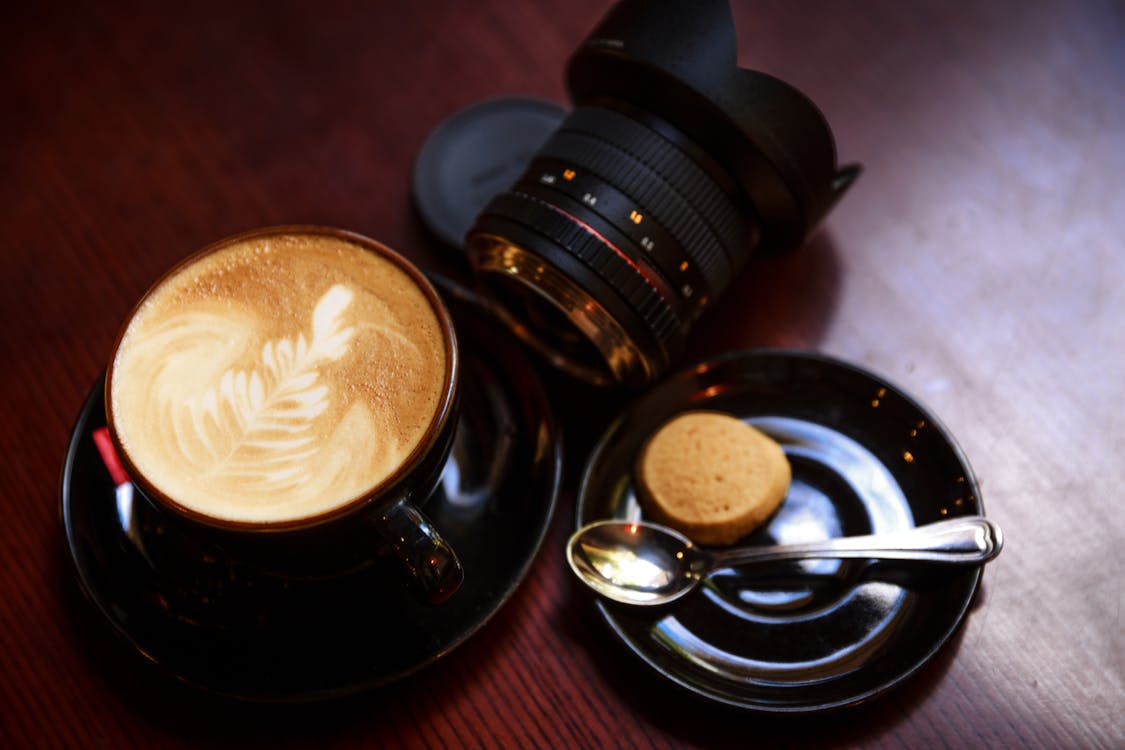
(277, 378)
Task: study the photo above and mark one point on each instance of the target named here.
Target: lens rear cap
(474, 154)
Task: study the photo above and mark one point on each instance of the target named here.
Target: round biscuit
(711, 476)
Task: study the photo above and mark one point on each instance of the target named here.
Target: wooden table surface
(978, 263)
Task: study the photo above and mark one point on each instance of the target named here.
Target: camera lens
(646, 202)
(612, 243)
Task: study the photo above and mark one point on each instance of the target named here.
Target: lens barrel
(626, 229)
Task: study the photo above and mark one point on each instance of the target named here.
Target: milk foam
(277, 378)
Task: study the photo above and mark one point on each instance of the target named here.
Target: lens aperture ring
(652, 194)
(693, 182)
(629, 281)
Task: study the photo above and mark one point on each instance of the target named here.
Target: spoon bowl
(646, 564)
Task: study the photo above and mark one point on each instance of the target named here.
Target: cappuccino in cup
(280, 376)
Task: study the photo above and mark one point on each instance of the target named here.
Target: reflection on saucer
(123, 488)
(482, 459)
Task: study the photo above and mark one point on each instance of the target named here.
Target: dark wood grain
(978, 263)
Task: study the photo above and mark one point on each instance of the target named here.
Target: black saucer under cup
(270, 639)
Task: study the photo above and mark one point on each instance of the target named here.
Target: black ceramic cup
(206, 381)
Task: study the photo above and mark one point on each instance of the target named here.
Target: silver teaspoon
(648, 564)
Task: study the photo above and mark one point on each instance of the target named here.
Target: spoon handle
(968, 540)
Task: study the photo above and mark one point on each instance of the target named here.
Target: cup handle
(427, 559)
